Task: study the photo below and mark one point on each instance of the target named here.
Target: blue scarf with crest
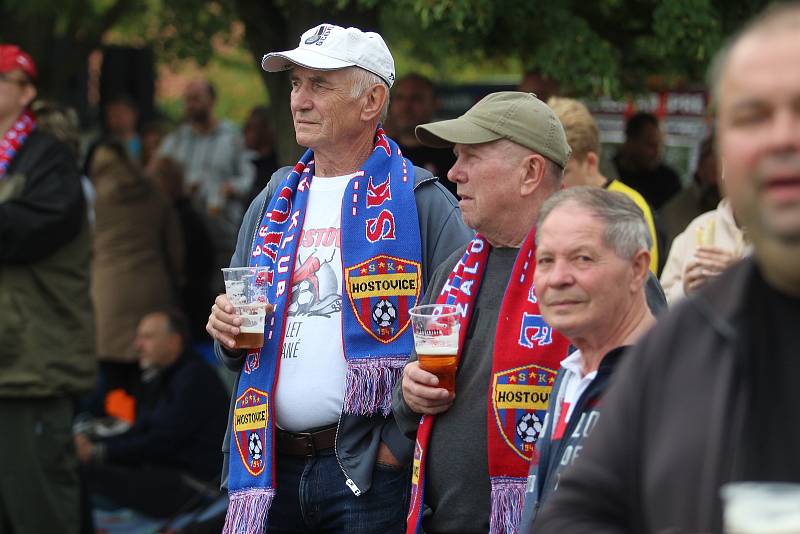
(382, 280)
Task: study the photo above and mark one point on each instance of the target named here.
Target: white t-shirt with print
(311, 378)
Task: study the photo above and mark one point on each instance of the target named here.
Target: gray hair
(776, 17)
(626, 230)
(362, 80)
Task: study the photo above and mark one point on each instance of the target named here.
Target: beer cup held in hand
(246, 288)
(436, 328)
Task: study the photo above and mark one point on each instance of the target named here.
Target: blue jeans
(312, 497)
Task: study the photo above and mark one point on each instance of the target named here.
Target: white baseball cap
(331, 47)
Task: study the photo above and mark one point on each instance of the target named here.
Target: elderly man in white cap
(350, 236)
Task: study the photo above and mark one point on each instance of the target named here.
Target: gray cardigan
(358, 437)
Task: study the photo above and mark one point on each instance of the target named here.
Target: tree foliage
(590, 48)
(607, 47)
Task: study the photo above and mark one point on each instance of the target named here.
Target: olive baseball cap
(518, 117)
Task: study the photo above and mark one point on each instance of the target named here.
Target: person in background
(591, 266)
(172, 451)
(533, 81)
(196, 296)
(121, 117)
(706, 397)
(639, 162)
(583, 168)
(46, 324)
(138, 260)
(710, 244)
(700, 196)
(218, 175)
(414, 103)
(259, 139)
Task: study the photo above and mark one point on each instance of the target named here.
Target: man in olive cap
(472, 463)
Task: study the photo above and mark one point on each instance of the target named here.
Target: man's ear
(532, 173)
(28, 94)
(640, 265)
(375, 98)
(592, 162)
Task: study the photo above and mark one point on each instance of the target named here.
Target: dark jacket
(180, 421)
(358, 437)
(557, 454)
(672, 425)
(46, 321)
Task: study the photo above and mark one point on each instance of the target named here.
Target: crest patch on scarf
(519, 399)
(250, 423)
(381, 291)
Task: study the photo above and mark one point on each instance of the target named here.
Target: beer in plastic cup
(761, 508)
(246, 288)
(436, 328)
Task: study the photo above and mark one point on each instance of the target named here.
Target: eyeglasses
(5, 77)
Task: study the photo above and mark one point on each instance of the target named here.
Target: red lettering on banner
(381, 227)
(380, 193)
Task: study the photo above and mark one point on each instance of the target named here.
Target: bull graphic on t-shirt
(316, 289)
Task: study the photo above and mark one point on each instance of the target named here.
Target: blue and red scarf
(381, 255)
(13, 140)
(526, 357)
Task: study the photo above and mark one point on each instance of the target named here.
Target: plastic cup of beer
(246, 288)
(761, 508)
(436, 328)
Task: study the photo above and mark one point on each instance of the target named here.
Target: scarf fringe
(369, 384)
(247, 511)
(508, 494)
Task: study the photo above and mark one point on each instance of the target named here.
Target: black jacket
(180, 422)
(672, 425)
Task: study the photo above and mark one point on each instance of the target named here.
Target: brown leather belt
(304, 443)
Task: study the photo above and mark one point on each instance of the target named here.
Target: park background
(619, 56)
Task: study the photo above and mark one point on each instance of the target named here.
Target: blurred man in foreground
(705, 397)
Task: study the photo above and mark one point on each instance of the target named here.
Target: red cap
(12, 57)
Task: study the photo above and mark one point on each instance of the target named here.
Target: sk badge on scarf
(519, 398)
(251, 429)
(381, 291)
